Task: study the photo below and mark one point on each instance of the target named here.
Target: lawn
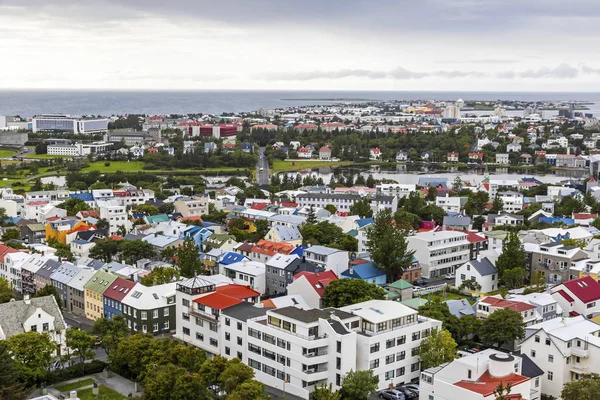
(67, 387)
(449, 296)
(280, 165)
(5, 153)
(104, 393)
(115, 166)
(44, 156)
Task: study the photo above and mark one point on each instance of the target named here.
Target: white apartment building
(115, 214)
(512, 201)
(565, 348)
(192, 206)
(247, 273)
(133, 197)
(65, 122)
(328, 258)
(399, 190)
(451, 204)
(440, 253)
(496, 184)
(502, 159)
(475, 377)
(555, 143)
(295, 350)
(343, 201)
(11, 268)
(578, 297)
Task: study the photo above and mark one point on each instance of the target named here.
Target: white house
(328, 258)
(578, 296)
(399, 190)
(502, 159)
(115, 214)
(482, 271)
(440, 253)
(192, 206)
(247, 273)
(451, 204)
(311, 286)
(512, 201)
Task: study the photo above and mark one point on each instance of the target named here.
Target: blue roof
(207, 224)
(364, 222)
(551, 220)
(14, 220)
(532, 179)
(232, 258)
(363, 271)
(299, 251)
(82, 196)
(157, 218)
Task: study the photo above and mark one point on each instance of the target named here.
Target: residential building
(343, 202)
(43, 274)
(451, 204)
(452, 157)
(325, 153)
(494, 220)
(512, 201)
(265, 249)
(555, 260)
(570, 161)
(11, 264)
(77, 291)
(280, 271)
(327, 258)
(247, 273)
(94, 293)
(579, 296)
(460, 307)
(29, 270)
(60, 279)
(496, 184)
(115, 214)
(114, 295)
(366, 272)
(502, 159)
(286, 234)
(303, 152)
(546, 305)
(401, 156)
(192, 206)
(151, 309)
(481, 271)
(440, 253)
(311, 286)
(233, 332)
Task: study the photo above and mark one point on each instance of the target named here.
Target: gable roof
(231, 258)
(14, 313)
(585, 289)
(362, 271)
(484, 266)
(226, 296)
(100, 282)
(119, 289)
(401, 284)
(318, 280)
(518, 306)
(486, 384)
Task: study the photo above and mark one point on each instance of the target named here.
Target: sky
(468, 45)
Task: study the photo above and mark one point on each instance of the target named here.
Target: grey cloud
(506, 75)
(561, 71)
(589, 70)
(398, 73)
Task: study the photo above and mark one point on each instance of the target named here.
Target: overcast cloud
(301, 44)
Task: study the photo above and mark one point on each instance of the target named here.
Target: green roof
(36, 227)
(401, 284)
(100, 281)
(497, 234)
(392, 295)
(221, 237)
(415, 303)
(352, 232)
(154, 219)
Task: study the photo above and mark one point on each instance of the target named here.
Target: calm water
(29, 103)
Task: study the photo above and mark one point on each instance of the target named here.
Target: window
(537, 338)
(338, 380)
(227, 321)
(254, 364)
(374, 364)
(416, 335)
(45, 327)
(547, 341)
(166, 325)
(227, 351)
(155, 327)
(390, 343)
(400, 356)
(414, 367)
(155, 314)
(186, 331)
(550, 358)
(144, 315)
(469, 374)
(227, 336)
(166, 311)
(415, 351)
(339, 347)
(399, 372)
(401, 340)
(550, 375)
(199, 337)
(239, 326)
(389, 375)
(374, 348)
(390, 359)
(532, 353)
(239, 355)
(463, 277)
(338, 363)
(33, 328)
(185, 302)
(240, 342)
(214, 342)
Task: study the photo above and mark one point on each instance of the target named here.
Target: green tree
(574, 242)
(501, 326)
(188, 259)
(325, 393)
(587, 387)
(347, 243)
(50, 290)
(111, 332)
(37, 185)
(431, 193)
(105, 249)
(189, 386)
(311, 217)
(497, 205)
(514, 278)
(160, 275)
(6, 291)
(73, 206)
(81, 344)
(62, 250)
(502, 392)
(251, 389)
(10, 387)
(469, 326)
(33, 353)
(10, 234)
(343, 292)
(362, 208)
(513, 254)
(234, 374)
(457, 185)
(358, 385)
(406, 220)
(133, 250)
(160, 382)
(211, 371)
(388, 246)
(438, 348)
(322, 233)
(102, 223)
(437, 309)
(147, 209)
(131, 354)
(331, 208)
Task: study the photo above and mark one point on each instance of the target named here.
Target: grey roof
(338, 327)
(244, 311)
(287, 233)
(484, 266)
(195, 282)
(48, 268)
(529, 368)
(457, 220)
(349, 196)
(322, 250)
(14, 313)
(461, 307)
(82, 277)
(492, 217)
(65, 272)
(312, 315)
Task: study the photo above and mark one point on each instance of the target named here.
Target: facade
(247, 273)
(280, 271)
(115, 214)
(327, 258)
(94, 293)
(440, 253)
(325, 153)
(451, 204)
(192, 206)
(343, 202)
(366, 272)
(578, 297)
(67, 123)
(114, 295)
(150, 309)
(60, 280)
(77, 291)
(398, 190)
(479, 270)
(502, 159)
(311, 286)
(512, 201)
(555, 260)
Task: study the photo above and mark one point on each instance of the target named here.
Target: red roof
(259, 205)
(375, 151)
(90, 213)
(565, 295)
(227, 296)
(585, 289)
(229, 145)
(472, 237)
(303, 150)
(288, 204)
(318, 280)
(517, 306)
(487, 383)
(324, 150)
(119, 289)
(191, 218)
(584, 216)
(116, 237)
(4, 250)
(37, 203)
(478, 155)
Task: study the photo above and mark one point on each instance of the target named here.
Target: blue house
(367, 272)
(231, 258)
(114, 295)
(88, 198)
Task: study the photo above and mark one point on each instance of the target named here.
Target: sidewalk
(115, 382)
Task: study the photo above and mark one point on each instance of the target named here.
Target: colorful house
(94, 293)
(60, 229)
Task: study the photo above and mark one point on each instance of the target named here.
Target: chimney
(26, 299)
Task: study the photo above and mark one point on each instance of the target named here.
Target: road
(263, 177)
(76, 321)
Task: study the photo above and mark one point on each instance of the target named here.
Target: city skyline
(300, 45)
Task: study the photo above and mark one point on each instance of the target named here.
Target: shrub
(74, 371)
(107, 164)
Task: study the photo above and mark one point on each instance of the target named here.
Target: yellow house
(94, 293)
(59, 229)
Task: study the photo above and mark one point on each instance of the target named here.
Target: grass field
(75, 385)
(44, 156)
(449, 296)
(104, 393)
(5, 153)
(115, 166)
(280, 165)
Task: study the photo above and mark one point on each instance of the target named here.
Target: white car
(450, 276)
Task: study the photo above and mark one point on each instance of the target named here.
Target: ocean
(27, 103)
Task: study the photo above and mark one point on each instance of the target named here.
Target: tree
(50, 290)
(347, 243)
(514, 278)
(343, 292)
(513, 254)
(501, 326)
(249, 390)
(538, 282)
(102, 223)
(325, 393)
(11, 234)
(234, 374)
(130, 355)
(388, 246)
(10, 387)
(160, 381)
(358, 385)
(211, 371)
(82, 345)
(438, 348)
(147, 209)
(502, 392)
(587, 387)
(437, 309)
(133, 250)
(6, 291)
(331, 208)
(362, 208)
(478, 222)
(470, 285)
(311, 218)
(431, 193)
(37, 185)
(469, 326)
(189, 386)
(574, 242)
(111, 332)
(406, 220)
(187, 259)
(322, 233)
(73, 206)
(497, 205)
(160, 275)
(457, 185)
(62, 250)
(105, 249)
(33, 353)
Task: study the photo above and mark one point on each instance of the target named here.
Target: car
(392, 395)
(408, 393)
(412, 386)
(419, 282)
(450, 276)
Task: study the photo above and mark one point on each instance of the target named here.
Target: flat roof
(377, 311)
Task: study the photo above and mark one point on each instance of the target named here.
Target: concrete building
(150, 309)
(134, 138)
(115, 214)
(512, 201)
(398, 190)
(578, 297)
(327, 258)
(311, 286)
(554, 260)
(192, 206)
(343, 202)
(451, 204)
(502, 159)
(440, 253)
(68, 123)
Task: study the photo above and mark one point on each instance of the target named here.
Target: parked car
(392, 395)
(419, 282)
(409, 394)
(412, 386)
(450, 276)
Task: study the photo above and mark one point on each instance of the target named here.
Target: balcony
(579, 369)
(580, 351)
(315, 353)
(314, 369)
(203, 314)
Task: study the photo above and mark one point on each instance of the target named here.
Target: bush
(74, 371)
(107, 164)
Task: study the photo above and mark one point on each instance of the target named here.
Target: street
(262, 177)
(76, 321)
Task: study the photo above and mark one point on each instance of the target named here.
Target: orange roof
(90, 213)
(486, 384)
(53, 219)
(268, 303)
(227, 296)
(4, 250)
(191, 218)
(271, 248)
(512, 305)
(116, 237)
